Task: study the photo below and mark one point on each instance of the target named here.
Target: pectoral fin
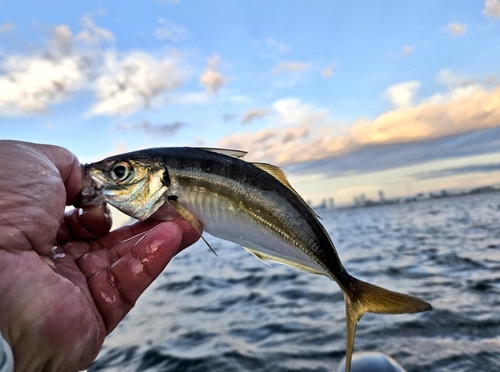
(189, 217)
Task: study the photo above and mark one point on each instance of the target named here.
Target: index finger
(116, 288)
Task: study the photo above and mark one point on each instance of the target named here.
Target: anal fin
(257, 255)
(268, 259)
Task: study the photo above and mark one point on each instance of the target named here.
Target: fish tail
(361, 297)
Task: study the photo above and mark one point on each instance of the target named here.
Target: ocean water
(235, 313)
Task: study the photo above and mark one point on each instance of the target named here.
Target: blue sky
(348, 97)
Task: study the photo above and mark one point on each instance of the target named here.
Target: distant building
(381, 196)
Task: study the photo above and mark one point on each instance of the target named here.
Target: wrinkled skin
(65, 280)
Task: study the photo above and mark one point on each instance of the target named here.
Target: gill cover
(135, 188)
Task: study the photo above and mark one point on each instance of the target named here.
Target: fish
(250, 204)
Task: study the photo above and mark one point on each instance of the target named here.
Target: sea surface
(235, 313)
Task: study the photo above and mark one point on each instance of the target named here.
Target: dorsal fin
(280, 175)
(276, 172)
(238, 154)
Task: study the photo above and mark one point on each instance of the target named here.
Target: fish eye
(120, 171)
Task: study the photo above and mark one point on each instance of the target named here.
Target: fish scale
(251, 204)
(222, 217)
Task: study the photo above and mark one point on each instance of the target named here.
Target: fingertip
(137, 269)
(96, 219)
(89, 223)
(117, 288)
(158, 246)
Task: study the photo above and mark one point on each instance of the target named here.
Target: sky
(348, 97)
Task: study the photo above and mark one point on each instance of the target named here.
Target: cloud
(456, 29)
(169, 31)
(211, 79)
(6, 27)
(122, 83)
(407, 49)
(270, 48)
(92, 34)
(290, 66)
(133, 81)
(284, 144)
(156, 130)
(402, 95)
(254, 114)
(452, 80)
(492, 8)
(381, 157)
(31, 83)
(477, 168)
(281, 47)
(328, 71)
(293, 112)
(189, 98)
(459, 111)
(62, 39)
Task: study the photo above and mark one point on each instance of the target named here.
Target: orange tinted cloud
(456, 29)
(492, 8)
(310, 134)
(212, 79)
(291, 66)
(463, 110)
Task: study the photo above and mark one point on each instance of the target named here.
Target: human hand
(65, 280)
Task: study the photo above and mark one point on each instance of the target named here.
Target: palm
(65, 283)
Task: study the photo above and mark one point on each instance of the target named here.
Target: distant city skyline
(363, 201)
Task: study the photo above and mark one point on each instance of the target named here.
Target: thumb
(68, 166)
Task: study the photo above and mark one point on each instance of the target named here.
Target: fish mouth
(91, 190)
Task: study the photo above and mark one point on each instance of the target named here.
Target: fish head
(137, 187)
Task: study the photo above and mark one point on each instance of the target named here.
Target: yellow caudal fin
(361, 297)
